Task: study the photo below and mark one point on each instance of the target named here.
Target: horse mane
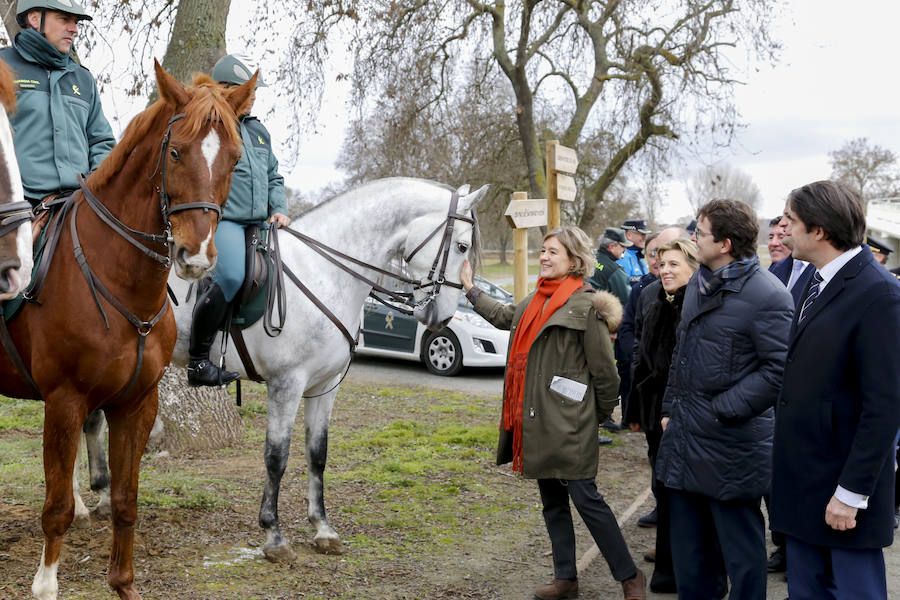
(207, 103)
(7, 88)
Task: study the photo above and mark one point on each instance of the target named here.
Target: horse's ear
(170, 90)
(470, 201)
(463, 189)
(240, 98)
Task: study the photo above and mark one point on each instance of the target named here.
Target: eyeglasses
(700, 233)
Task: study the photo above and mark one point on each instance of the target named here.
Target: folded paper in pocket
(572, 390)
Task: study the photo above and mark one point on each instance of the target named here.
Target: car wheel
(442, 353)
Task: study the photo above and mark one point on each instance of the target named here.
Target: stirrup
(203, 372)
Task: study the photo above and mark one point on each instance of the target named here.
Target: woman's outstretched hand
(466, 276)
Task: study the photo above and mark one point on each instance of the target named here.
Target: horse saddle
(43, 245)
(249, 304)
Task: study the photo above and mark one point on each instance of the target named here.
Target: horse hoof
(82, 521)
(280, 553)
(329, 545)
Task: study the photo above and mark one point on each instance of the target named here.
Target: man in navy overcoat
(839, 410)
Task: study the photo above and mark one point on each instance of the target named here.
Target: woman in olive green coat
(561, 383)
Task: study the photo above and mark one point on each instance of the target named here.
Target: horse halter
(14, 214)
(443, 253)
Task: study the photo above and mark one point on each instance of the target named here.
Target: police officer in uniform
(60, 130)
(256, 197)
(632, 261)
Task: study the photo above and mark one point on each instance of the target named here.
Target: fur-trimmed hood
(608, 308)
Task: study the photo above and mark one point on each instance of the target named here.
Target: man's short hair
(774, 222)
(733, 220)
(835, 207)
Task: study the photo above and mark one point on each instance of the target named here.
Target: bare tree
(623, 68)
(722, 181)
(870, 170)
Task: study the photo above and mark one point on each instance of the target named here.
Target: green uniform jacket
(59, 127)
(559, 435)
(609, 276)
(257, 190)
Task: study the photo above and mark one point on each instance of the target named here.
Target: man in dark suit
(839, 409)
(793, 273)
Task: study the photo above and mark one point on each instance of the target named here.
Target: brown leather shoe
(633, 589)
(557, 590)
(650, 555)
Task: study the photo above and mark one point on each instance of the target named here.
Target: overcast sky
(837, 79)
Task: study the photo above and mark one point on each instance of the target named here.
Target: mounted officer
(60, 130)
(256, 197)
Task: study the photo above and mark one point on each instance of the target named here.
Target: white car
(468, 340)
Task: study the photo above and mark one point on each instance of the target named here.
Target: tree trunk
(198, 39)
(195, 418)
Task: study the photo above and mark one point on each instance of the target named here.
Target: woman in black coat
(654, 344)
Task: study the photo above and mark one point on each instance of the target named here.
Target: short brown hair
(833, 206)
(578, 246)
(733, 220)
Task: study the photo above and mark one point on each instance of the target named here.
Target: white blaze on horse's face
(210, 148)
(16, 262)
(197, 265)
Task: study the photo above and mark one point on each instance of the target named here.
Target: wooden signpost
(560, 160)
(521, 214)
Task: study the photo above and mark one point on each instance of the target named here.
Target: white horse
(374, 223)
(15, 212)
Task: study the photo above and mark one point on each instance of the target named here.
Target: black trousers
(598, 517)
(663, 570)
(710, 537)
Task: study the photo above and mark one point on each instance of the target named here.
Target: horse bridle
(165, 204)
(14, 214)
(438, 267)
(443, 253)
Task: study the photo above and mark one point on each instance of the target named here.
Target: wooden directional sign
(565, 187)
(526, 213)
(566, 161)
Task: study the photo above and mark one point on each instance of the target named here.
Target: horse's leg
(283, 402)
(82, 518)
(129, 429)
(317, 412)
(61, 437)
(96, 453)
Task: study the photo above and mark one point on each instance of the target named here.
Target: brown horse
(15, 212)
(100, 333)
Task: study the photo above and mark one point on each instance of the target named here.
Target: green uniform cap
(64, 6)
(236, 69)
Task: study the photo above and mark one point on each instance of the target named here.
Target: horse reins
(439, 266)
(14, 214)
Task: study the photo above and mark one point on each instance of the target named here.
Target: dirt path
(411, 487)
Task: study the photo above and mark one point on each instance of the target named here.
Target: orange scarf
(533, 319)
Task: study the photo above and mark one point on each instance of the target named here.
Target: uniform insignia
(389, 321)
(259, 137)
(75, 90)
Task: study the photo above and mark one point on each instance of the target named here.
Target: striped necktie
(811, 295)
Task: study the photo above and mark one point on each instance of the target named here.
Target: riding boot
(209, 311)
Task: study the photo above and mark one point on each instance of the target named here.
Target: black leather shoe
(611, 426)
(648, 520)
(203, 372)
(604, 441)
(777, 561)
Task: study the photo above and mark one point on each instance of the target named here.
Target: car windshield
(494, 291)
